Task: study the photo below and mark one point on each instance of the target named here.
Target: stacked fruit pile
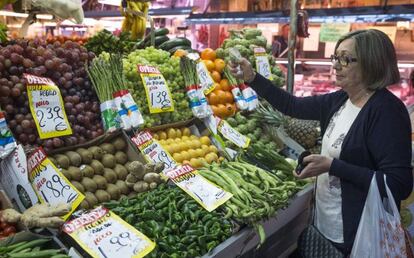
(186, 148)
(65, 65)
(170, 69)
(221, 99)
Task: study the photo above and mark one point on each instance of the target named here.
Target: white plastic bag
(64, 9)
(380, 233)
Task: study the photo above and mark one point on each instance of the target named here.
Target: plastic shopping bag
(380, 233)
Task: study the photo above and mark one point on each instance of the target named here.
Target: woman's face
(348, 73)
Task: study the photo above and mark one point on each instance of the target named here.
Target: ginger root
(39, 215)
(11, 216)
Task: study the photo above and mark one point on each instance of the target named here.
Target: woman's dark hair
(376, 56)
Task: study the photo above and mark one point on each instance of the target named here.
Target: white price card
(206, 82)
(50, 185)
(103, 234)
(158, 94)
(153, 151)
(206, 193)
(232, 134)
(46, 106)
(262, 62)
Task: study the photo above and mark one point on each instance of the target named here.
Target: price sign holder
(207, 194)
(158, 94)
(232, 134)
(50, 185)
(152, 150)
(262, 62)
(46, 106)
(103, 234)
(292, 148)
(206, 81)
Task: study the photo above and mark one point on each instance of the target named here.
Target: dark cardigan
(378, 141)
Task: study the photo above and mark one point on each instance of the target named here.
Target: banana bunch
(135, 24)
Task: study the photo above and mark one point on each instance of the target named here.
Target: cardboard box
(14, 179)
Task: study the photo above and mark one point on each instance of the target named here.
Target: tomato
(9, 230)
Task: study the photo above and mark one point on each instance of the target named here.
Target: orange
(214, 108)
(213, 99)
(225, 85)
(208, 54)
(221, 110)
(221, 95)
(216, 76)
(217, 86)
(230, 109)
(180, 53)
(209, 64)
(228, 97)
(220, 64)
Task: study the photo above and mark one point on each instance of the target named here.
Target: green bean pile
(31, 249)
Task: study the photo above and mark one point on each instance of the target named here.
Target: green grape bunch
(170, 69)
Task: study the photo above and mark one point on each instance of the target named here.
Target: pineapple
(304, 132)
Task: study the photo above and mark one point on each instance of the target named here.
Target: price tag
(50, 185)
(206, 193)
(232, 134)
(103, 234)
(206, 82)
(46, 106)
(292, 149)
(158, 94)
(262, 62)
(153, 151)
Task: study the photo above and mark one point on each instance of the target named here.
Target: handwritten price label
(262, 63)
(103, 234)
(50, 185)
(153, 151)
(206, 193)
(158, 94)
(46, 106)
(206, 82)
(232, 134)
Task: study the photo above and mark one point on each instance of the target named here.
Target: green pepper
(130, 219)
(193, 232)
(181, 202)
(165, 247)
(162, 204)
(211, 245)
(202, 241)
(206, 217)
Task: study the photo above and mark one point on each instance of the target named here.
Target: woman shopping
(366, 131)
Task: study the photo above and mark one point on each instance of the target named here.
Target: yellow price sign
(158, 94)
(46, 106)
(50, 185)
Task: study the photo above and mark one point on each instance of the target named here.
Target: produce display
(221, 99)
(252, 128)
(34, 248)
(65, 65)
(245, 41)
(257, 194)
(104, 172)
(170, 68)
(186, 148)
(178, 225)
(105, 41)
(304, 132)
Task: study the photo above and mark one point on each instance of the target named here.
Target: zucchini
(158, 41)
(172, 50)
(175, 42)
(161, 32)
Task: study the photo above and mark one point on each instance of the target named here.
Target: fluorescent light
(14, 14)
(406, 65)
(110, 2)
(285, 62)
(318, 63)
(44, 16)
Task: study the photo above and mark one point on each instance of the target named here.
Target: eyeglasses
(343, 60)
